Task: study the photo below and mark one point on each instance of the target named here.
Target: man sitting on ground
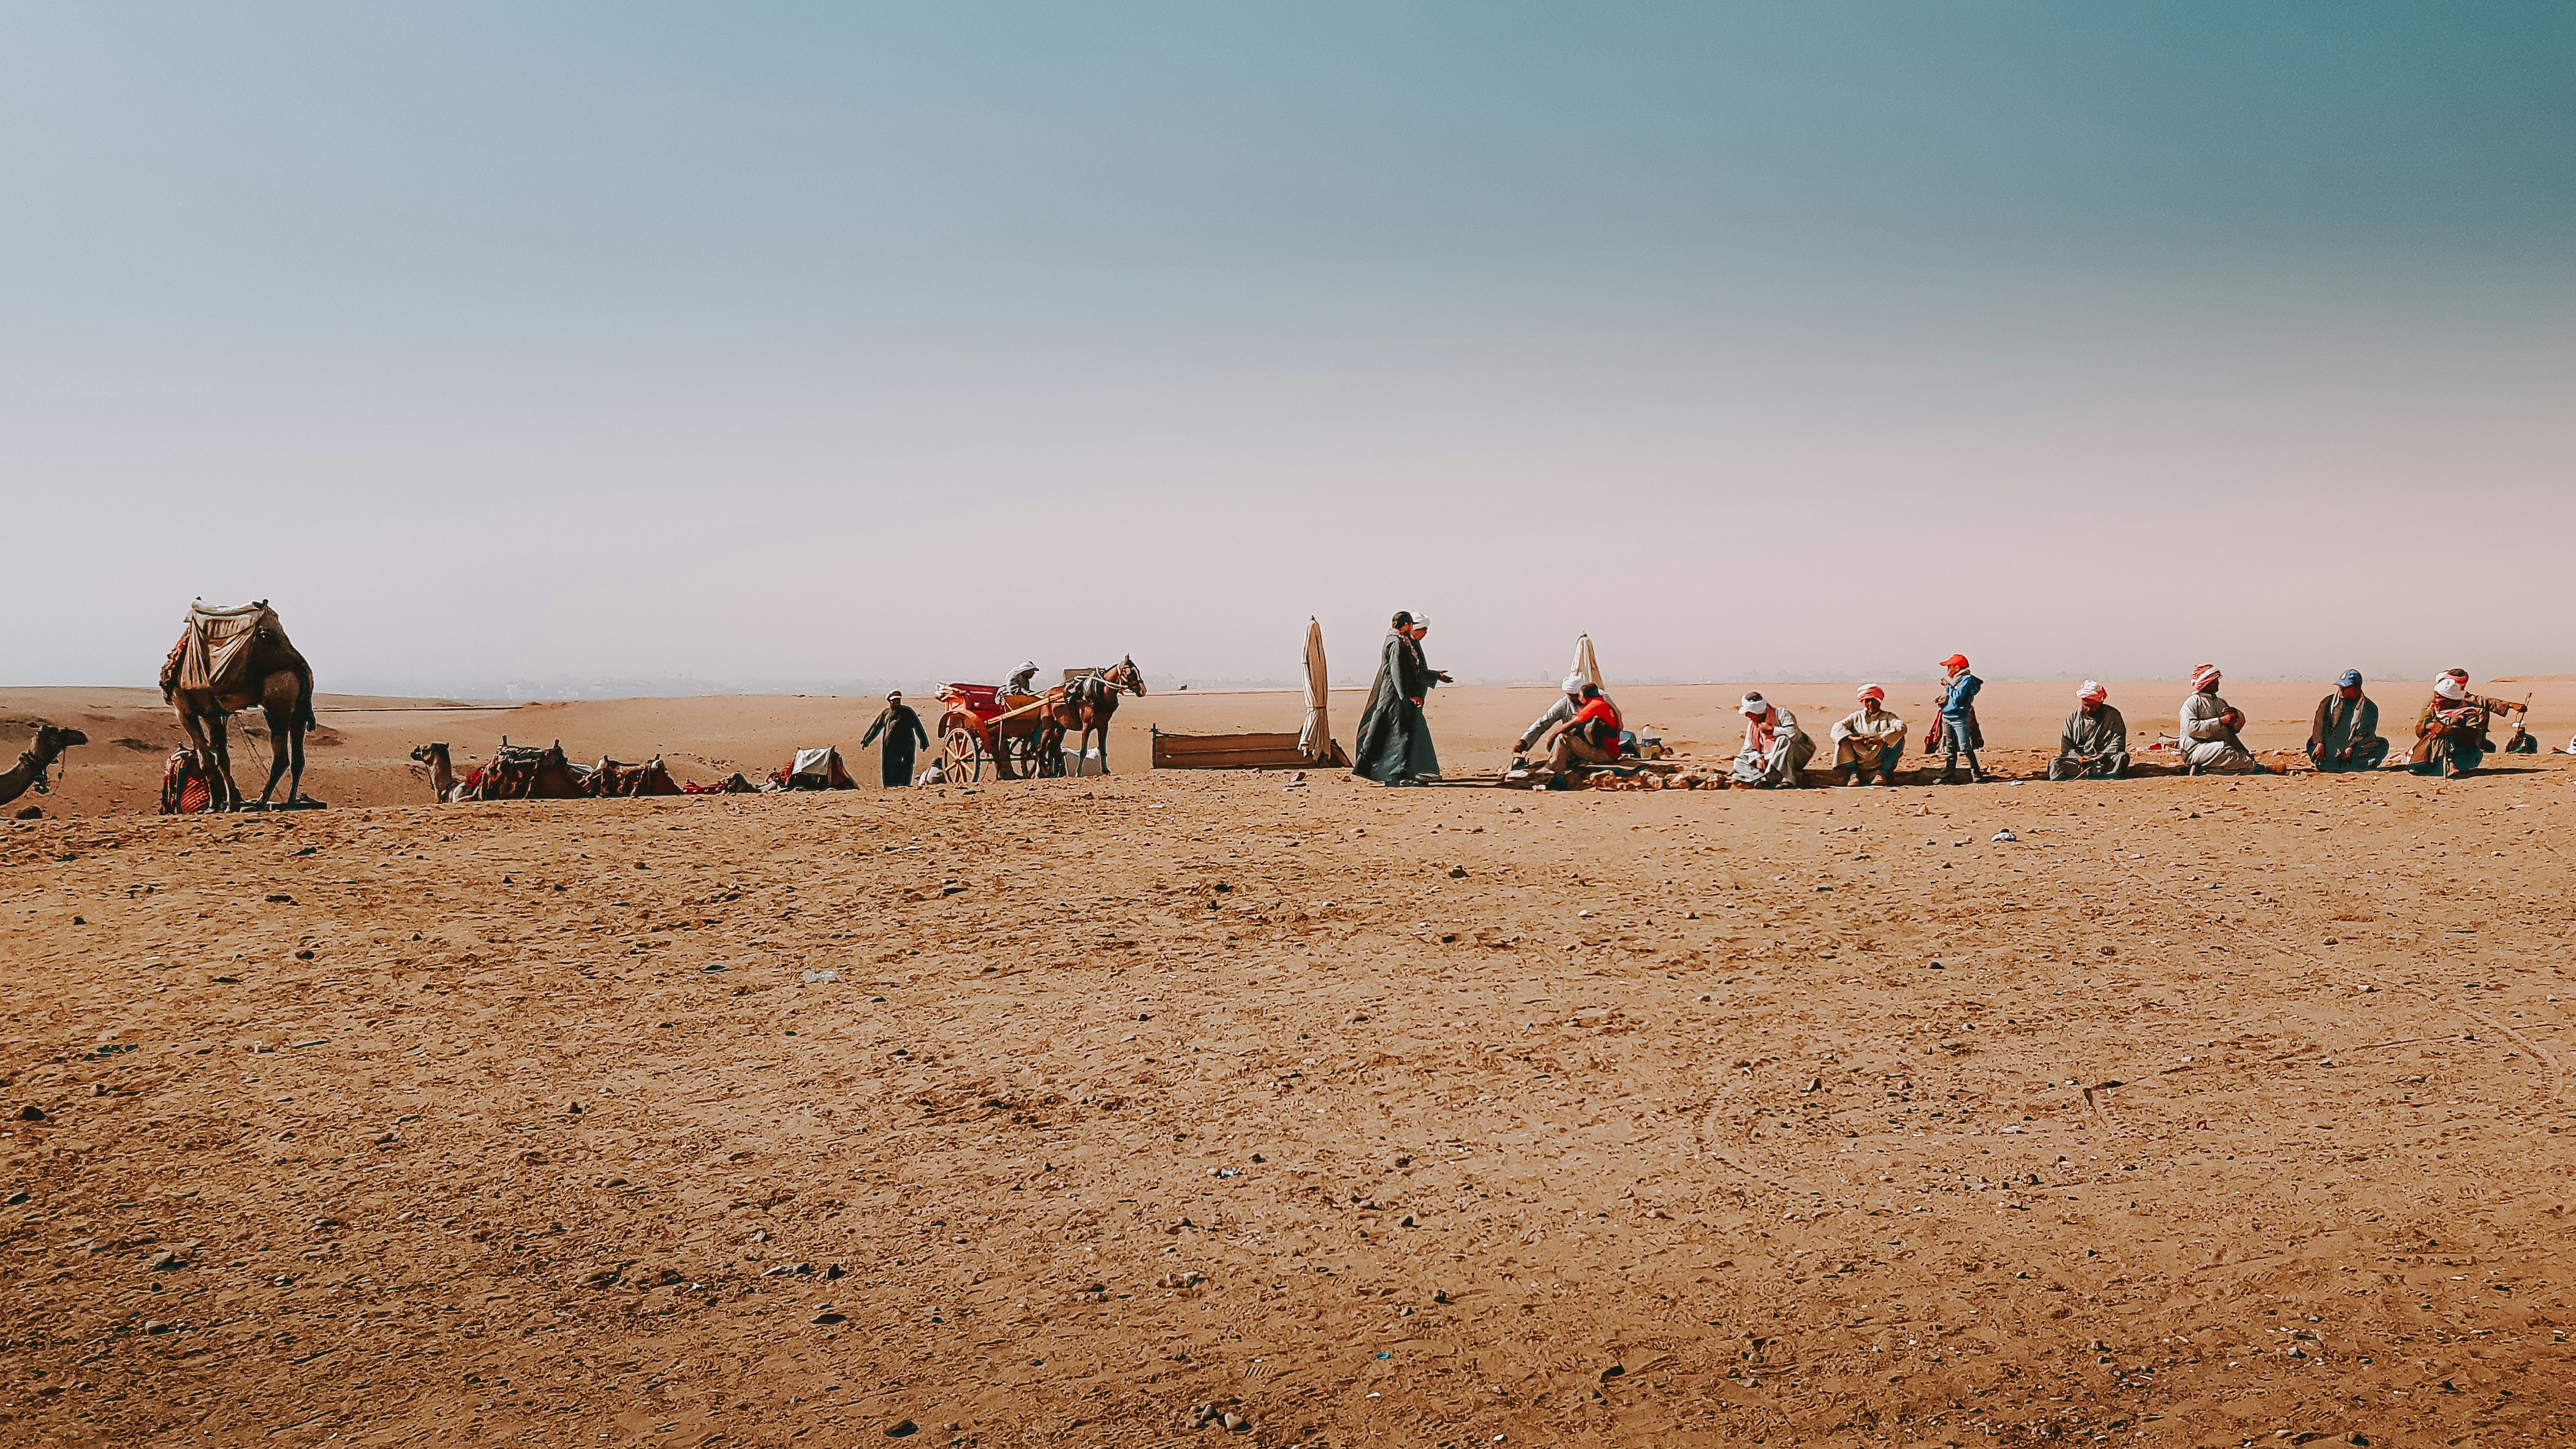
(1868, 740)
(2093, 744)
(2345, 733)
(1775, 749)
(2451, 732)
(1557, 714)
(1590, 737)
(2210, 745)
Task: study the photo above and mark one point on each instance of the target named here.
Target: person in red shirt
(1590, 738)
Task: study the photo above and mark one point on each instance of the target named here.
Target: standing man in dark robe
(902, 730)
(1394, 742)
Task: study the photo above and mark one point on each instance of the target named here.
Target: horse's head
(1126, 675)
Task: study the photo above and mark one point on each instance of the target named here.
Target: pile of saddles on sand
(528, 772)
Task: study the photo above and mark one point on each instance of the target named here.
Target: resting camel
(263, 669)
(442, 775)
(1085, 705)
(42, 751)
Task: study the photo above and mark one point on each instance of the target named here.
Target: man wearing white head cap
(1024, 680)
(2451, 732)
(1557, 713)
(2093, 744)
(2209, 724)
(1869, 740)
(1775, 749)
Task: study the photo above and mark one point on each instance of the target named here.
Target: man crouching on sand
(1869, 740)
(2093, 744)
(2451, 732)
(2209, 724)
(1590, 737)
(1775, 749)
(2345, 733)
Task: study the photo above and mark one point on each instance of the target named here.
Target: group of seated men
(2093, 743)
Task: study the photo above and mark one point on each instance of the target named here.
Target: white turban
(2450, 686)
(1754, 704)
(1574, 684)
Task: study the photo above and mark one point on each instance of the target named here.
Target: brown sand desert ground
(1089, 1112)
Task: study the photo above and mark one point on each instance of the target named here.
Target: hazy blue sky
(784, 342)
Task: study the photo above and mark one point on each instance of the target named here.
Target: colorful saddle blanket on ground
(187, 788)
(613, 779)
(524, 772)
(814, 770)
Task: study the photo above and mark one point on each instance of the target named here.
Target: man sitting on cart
(1024, 680)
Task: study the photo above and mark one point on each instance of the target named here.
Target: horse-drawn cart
(978, 722)
(1023, 734)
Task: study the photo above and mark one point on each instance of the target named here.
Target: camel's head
(53, 740)
(430, 754)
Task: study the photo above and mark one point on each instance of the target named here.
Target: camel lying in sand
(41, 752)
(443, 786)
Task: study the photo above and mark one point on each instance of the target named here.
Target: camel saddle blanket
(214, 652)
(615, 779)
(187, 788)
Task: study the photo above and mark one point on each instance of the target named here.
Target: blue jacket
(1960, 695)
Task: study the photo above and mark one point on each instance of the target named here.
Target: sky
(756, 346)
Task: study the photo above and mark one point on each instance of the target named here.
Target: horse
(273, 676)
(1084, 704)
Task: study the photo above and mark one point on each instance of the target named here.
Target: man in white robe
(2210, 745)
(1868, 740)
(1775, 749)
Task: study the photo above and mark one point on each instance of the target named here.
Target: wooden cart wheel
(1023, 750)
(962, 756)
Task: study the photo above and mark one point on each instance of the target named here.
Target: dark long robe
(2344, 735)
(1394, 739)
(902, 729)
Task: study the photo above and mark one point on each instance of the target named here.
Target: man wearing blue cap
(2345, 734)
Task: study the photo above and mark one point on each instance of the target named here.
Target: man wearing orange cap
(1959, 732)
(2209, 724)
(2093, 744)
(1868, 740)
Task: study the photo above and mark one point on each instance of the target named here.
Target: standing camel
(227, 660)
(1084, 704)
(42, 751)
(442, 775)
